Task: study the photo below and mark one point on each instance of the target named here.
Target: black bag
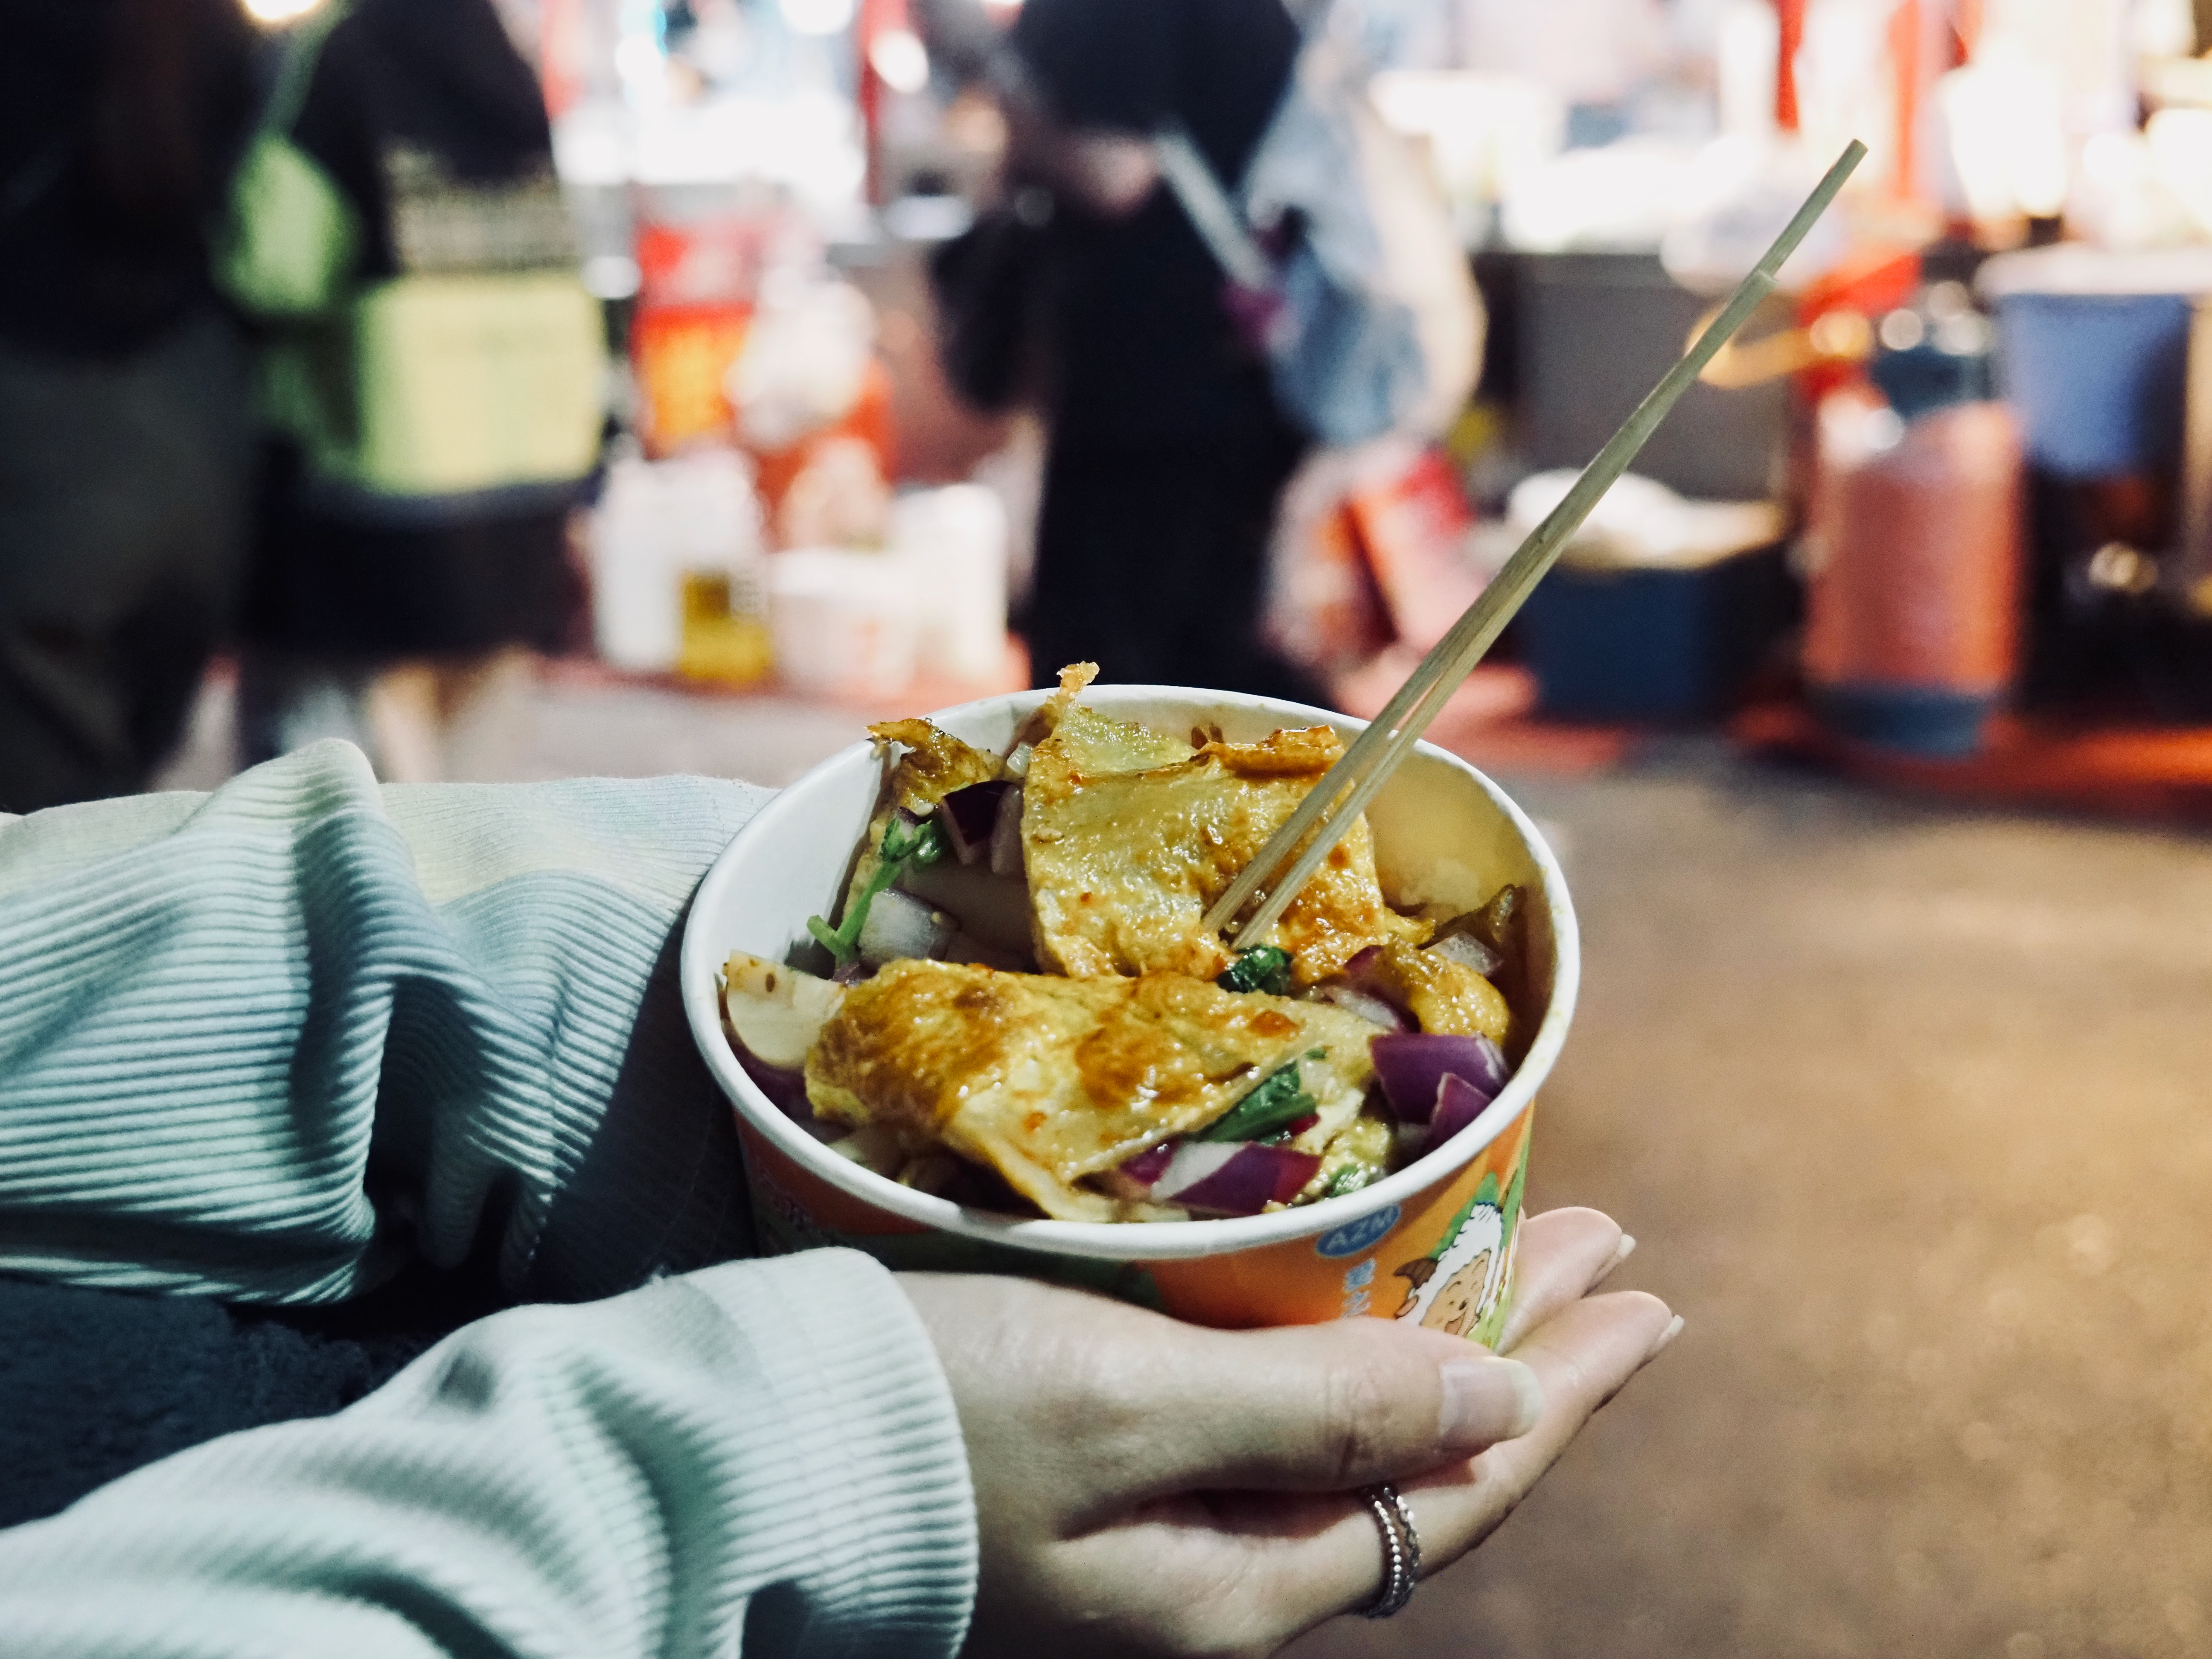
(989, 284)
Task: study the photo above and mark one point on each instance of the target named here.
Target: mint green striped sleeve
(760, 1458)
(268, 1042)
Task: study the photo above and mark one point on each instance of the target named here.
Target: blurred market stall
(1946, 517)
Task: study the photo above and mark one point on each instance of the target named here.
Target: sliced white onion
(1376, 1010)
(1469, 951)
(776, 1011)
(900, 926)
(1006, 835)
(1193, 1161)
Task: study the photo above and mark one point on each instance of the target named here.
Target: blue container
(1924, 378)
(2096, 378)
(1916, 720)
(1652, 644)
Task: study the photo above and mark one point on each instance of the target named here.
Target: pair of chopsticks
(1335, 803)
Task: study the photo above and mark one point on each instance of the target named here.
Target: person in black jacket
(1168, 451)
(124, 441)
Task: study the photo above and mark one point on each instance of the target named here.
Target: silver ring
(1401, 1550)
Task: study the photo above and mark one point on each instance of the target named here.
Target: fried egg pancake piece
(1049, 1080)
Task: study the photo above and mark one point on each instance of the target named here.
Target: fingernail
(1486, 1400)
(1666, 1338)
(1621, 1252)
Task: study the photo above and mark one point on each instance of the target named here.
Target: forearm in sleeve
(264, 1043)
(760, 1458)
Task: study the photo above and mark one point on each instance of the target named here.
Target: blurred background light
(274, 14)
(815, 17)
(898, 56)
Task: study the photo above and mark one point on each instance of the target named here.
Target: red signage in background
(1371, 560)
(1413, 526)
(695, 287)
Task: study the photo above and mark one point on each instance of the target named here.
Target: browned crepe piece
(1130, 835)
(1049, 1080)
(1443, 995)
(1046, 716)
(933, 765)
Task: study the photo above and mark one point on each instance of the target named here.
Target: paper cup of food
(955, 982)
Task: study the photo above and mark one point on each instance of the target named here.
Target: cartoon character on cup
(1451, 1289)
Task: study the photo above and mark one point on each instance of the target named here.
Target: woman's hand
(1111, 174)
(1108, 173)
(1145, 1486)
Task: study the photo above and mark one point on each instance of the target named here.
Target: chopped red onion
(1190, 1162)
(1238, 1177)
(1469, 951)
(1006, 835)
(1459, 1103)
(1360, 974)
(1413, 1065)
(969, 817)
(1148, 1166)
(1376, 1010)
(786, 1090)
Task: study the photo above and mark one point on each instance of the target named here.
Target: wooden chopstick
(1335, 803)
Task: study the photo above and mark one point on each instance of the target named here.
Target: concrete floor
(1910, 1111)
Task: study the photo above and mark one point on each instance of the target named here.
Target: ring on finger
(1402, 1549)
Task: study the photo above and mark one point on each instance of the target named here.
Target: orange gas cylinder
(1913, 556)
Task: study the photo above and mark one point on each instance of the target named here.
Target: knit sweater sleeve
(760, 1458)
(265, 1043)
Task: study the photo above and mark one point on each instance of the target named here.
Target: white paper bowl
(1441, 831)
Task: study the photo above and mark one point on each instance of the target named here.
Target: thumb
(1327, 1408)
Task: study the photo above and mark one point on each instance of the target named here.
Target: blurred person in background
(125, 438)
(433, 381)
(1168, 450)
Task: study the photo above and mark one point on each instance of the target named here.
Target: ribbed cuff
(876, 1495)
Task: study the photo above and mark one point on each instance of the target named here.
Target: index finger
(1332, 1406)
(1585, 1354)
(1561, 1256)
(1315, 1408)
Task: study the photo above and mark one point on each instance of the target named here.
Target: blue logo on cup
(1354, 1236)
